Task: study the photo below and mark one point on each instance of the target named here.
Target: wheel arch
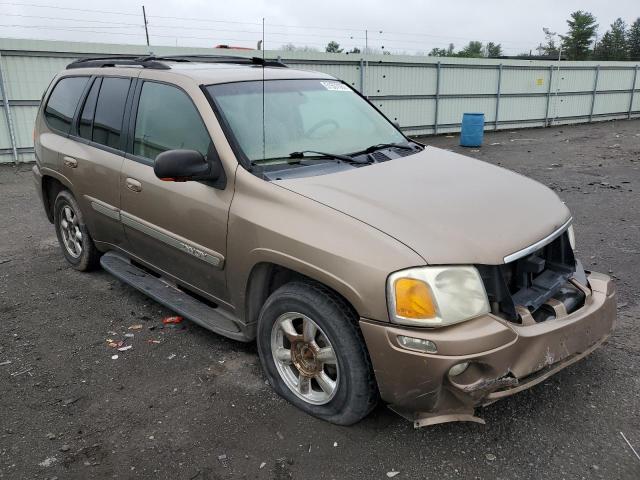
(51, 186)
(266, 277)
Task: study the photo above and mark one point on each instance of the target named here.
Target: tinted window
(63, 102)
(86, 116)
(167, 120)
(107, 123)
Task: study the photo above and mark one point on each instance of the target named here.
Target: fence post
(495, 123)
(633, 91)
(435, 121)
(362, 76)
(546, 112)
(7, 112)
(595, 91)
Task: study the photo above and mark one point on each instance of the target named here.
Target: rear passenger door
(176, 228)
(93, 157)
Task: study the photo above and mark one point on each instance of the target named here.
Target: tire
(73, 236)
(349, 371)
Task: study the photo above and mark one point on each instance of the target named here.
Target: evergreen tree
(613, 45)
(582, 29)
(633, 40)
(493, 49)
(333, 47)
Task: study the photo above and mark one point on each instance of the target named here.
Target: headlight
(436, 296)
(572, 237)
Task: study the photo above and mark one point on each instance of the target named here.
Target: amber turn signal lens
(414, 299)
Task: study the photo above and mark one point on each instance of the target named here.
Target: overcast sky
(397, 25)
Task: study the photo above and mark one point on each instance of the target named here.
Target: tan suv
(279, 206)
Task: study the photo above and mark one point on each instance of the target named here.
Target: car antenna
(264, 138)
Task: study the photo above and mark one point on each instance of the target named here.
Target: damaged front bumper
(504, 357)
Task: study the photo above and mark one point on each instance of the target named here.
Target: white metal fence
(424, 95)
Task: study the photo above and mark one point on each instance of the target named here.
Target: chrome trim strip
(538, 245)
(104, 208)
(175, 241)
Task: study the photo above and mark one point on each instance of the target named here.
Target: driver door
(179, 229)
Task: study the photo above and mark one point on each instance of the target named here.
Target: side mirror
(185, 165)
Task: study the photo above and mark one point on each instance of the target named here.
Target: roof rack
(115, 60)
(207, 58)
(156, 62)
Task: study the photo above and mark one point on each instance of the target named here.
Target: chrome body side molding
(195, 250)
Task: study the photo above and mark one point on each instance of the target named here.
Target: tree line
(581, 42)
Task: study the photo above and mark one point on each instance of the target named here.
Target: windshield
(300, 115)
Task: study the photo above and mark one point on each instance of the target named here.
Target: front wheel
(314, 355)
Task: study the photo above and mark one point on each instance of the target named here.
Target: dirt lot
(195, 406)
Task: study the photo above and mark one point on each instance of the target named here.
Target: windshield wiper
(295, 157)
(344, 158)
(381, 146)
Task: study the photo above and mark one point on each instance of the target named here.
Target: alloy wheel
(305, 358)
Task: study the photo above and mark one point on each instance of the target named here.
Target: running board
(211, 318)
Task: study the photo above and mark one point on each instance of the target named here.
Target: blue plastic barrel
(472, 130)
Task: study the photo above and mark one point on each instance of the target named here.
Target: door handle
(133, 185)
(70, 162)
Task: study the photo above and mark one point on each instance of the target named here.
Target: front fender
(268, 223)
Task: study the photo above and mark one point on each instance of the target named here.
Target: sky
(399, 26)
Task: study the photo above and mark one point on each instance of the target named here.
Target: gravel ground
(195, 405)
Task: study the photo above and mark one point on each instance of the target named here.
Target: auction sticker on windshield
(335, 86)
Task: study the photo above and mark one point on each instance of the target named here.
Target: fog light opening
(458, 369)
(417, 344)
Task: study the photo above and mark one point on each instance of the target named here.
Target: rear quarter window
(63, 101)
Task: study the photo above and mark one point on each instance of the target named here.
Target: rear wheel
(73, 236)
(314, 354)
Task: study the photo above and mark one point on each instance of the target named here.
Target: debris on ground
(69, 401)
(21, 372)
(51, 436)
(6, 362)
(630, 446)
(172, 356)
(262, 465)
(490, 456)
(125, 348)
(335, 444)
(392, 473)
(114, 357)
(129, 335)
(172, 320)
(114, 343)
(136, 327)
(47, 462)
(65, 448)
(151, 340)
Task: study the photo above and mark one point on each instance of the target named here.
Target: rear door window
(63, 101)
(107, 122)
(167, 119)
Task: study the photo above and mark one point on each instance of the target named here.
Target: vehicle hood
(448, 208)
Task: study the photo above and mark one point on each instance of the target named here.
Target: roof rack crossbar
(156, 62)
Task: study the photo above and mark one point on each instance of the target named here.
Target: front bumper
(504, 357)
